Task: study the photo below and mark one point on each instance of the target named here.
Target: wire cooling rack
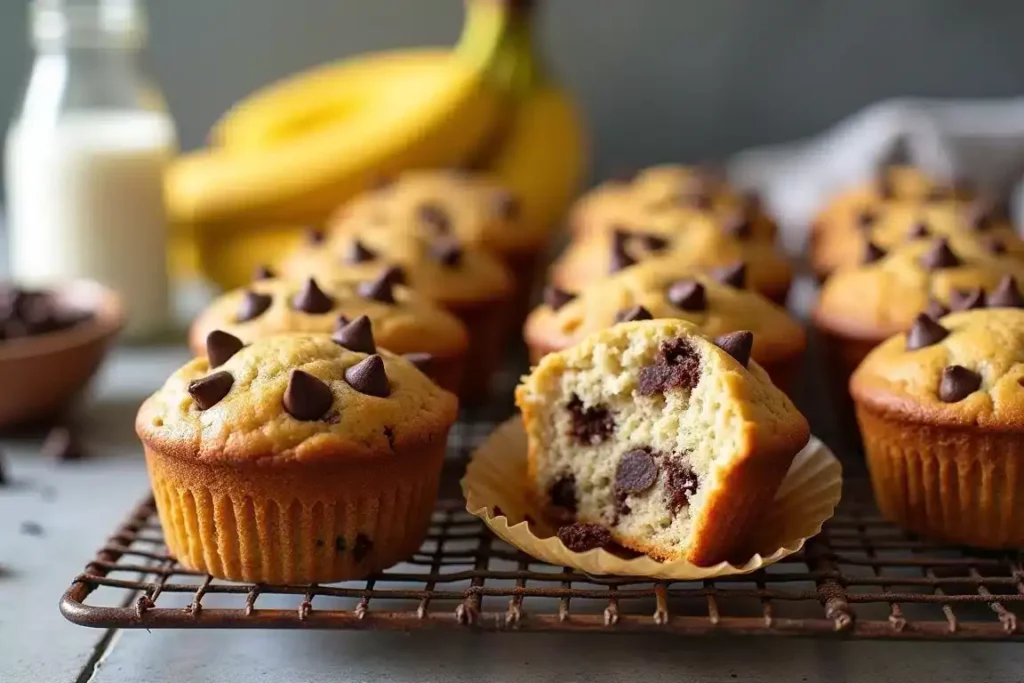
(861, 577)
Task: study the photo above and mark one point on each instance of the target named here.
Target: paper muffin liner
(496, 491)
(955, 485)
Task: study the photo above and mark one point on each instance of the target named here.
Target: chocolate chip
(563, 493)
(315, 236)
(918, 231)
(677, 366)
(422, 361)
(680, 484)
(380, 289)
(925, 332)
(253, 305)
(434, 215)
(939, 256)
(369, 377)
(341, 321)
(208, 391)
(688, 295)
(935, 310)
(356, 336)
(737, 345)
(734, 275)
(340, 544)
(63, 445)
(362, 547)
(389, 435)
(738, 226)
(307, 398)
(637, 471)
(872, 252)
(221, 346)
(994, 245)
(312, 299)
(633, 314)
(965, 300)
(358, 253)
(497, 511)
(507, 205)
(1006, 294)
(447, 253)
(579, 537)
(32, 528)
(653, 243)
(263, 273)
(957, 383)
(620, 259)
(395, 275)
(867, 218)
(589, 426)
(556, 298)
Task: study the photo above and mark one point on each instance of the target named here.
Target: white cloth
(981, 141)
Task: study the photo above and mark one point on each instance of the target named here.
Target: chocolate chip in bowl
(51, 344)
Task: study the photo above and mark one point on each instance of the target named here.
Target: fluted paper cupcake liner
(496, 491)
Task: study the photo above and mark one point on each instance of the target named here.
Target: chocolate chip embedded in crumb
(435, 216)
(562, 493)
(677, 366)
(263, 273)
(357, 252)
(734, 275)
(556, 298)
(208, 391)
(361, 548)
(307, 398)
(422, 361)
(867, 218)
(252, 306)
(633, 314)
(653, 243)
(688, 295)
(311, 299)
(62, 444)
(315, 236)
(680, 484)
(939, 256)
(925, 332)
(447, 252)
(589, 425)
(918, 231)
(637, 471)
(221, 346)
(620, 259)
(967, 299)
(737, 345)
(579, 537)
(957, 383)
(872, 253)
(356, 336)
(380, 289)
(935, 310)
(1006, 294)
(369, 377)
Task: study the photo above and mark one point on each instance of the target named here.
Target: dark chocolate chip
(677, 366)
(307, 398)
(357, 252)
(208, 391)
(653, 243)
(389, 435)
(637, 471)
(994, 245)
(734, 275)
(872, 253)
(1006, 294)
(341, 321)
(918, 231)
(312, 299)
(422, 361)
(563, 493)
(738, 226)
(620, 259)
(967, 299)
(939, 256)
(340, 544)
(362, 547)
(263, 273)
(556, 298)
(434, 215)
(688, 295)
(935, 310)
(680, 484)
(633, 314)
(925, 332)
(867, 218)
(395, 275)
(497, 511)
(356, 336)
(221, 346)
(590, 426)
(380, 289)
(447, 253)
(737, 345)
(32, 528)
(579, 537)
(957, 383)
(315, 236)
(62, 444)
(507, 205)
(253, 305)
(369, 377)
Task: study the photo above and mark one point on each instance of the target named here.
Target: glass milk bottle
(85, 158)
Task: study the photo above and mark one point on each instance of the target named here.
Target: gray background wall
(660, 79)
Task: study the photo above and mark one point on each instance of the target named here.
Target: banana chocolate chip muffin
(941, 410)
(295, 460)
(674, 442)
(467, 281)
(402, 320)
(653, 290)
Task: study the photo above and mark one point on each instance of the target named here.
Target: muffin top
(468, 207)
(665, 292)
(403, 320)
(966, 369)
(882, 296)
(670, 195)
(438, 267)
(295, 398)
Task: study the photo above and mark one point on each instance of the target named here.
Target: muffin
(295, 460)
(941, 410)
(403, 321)
(650, 290)
(467, 281)
(701, 245)
(673, 442)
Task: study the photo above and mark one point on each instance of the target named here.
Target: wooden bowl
(41, 376)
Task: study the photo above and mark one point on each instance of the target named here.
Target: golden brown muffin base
(954, 484)
(525, 266)
(842, 354)
(487, 323)
(280, 522)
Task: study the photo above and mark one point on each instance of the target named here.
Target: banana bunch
(288, 155)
